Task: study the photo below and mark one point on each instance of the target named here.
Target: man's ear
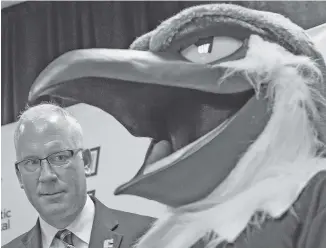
(19, 176)
(87, 157)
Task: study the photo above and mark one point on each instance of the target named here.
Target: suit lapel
(33, 238)
(105, 222)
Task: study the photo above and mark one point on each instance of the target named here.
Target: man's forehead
(53, 122)
(42, 136)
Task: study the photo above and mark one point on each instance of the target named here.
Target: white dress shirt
(81, 227)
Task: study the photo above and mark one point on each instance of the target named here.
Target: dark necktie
(66, 237)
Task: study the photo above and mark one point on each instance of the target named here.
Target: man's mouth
(58, 193)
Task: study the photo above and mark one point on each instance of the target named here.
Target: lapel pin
(108, 243)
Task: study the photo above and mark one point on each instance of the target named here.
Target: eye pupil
(32, 161)
(60, 157)
(205, 45)
(206, 48)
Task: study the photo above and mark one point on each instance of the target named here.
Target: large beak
(133, 86)
(166, 69)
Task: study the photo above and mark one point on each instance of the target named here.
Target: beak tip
(118, 190)
(31, 97)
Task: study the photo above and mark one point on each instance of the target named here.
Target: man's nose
(47, 173)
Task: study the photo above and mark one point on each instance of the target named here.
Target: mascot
(234, 101)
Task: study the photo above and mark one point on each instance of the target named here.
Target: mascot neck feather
(281, 161)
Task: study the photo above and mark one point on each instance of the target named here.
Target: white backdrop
(119, 159)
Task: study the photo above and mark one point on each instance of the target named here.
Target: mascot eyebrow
(239, 143)
(266, 24)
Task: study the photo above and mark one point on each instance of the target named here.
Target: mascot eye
(210, 49)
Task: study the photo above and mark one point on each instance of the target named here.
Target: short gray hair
(46, 109)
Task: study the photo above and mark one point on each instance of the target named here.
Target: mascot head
(234, 101)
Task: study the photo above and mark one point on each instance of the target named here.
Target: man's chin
(52, 204)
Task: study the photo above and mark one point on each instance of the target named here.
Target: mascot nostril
(234, 100)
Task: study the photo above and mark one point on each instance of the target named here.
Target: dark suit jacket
(124, 228)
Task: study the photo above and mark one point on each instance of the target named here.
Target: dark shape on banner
(91, 192)
(95, 152)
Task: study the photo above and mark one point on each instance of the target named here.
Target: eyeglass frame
(73, 151)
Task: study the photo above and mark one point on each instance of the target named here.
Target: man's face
(55, 192)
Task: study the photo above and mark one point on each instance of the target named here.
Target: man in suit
(51, 168)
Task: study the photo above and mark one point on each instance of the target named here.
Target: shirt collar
(81, 226)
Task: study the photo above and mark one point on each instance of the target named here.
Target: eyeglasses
(56, 159)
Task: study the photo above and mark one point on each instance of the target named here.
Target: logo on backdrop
(91, 192)
(5, 219)
(95, 152)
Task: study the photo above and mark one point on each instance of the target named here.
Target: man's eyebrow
(56, 149)
(55, 146)
(28, 157)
